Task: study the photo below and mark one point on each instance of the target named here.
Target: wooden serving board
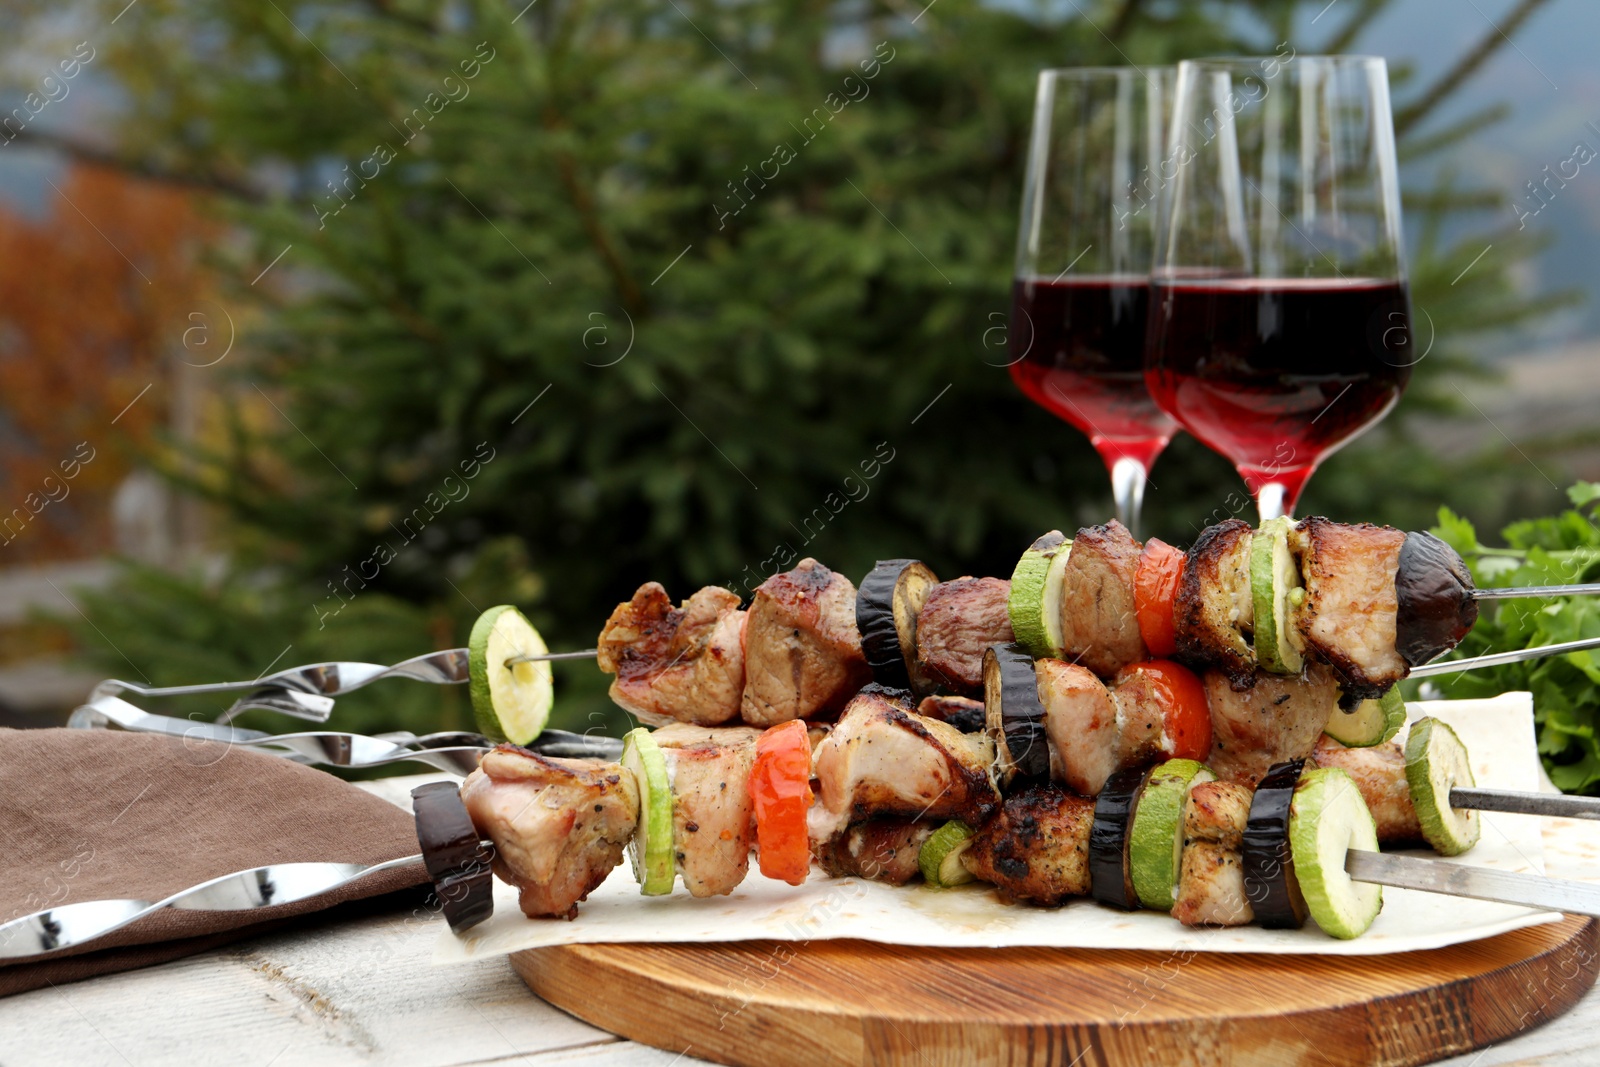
(792, 1004)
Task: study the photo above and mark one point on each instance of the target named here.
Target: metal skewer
(453, 752)
(1510, 800)
(1500, 659)
(1479, 883)
(1513, 592)
(259, 887)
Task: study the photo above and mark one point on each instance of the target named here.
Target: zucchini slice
(1371, 722)
(1436, 762)
(1038, 585)
(887, 605)
(1274, 575)
(940, 857)
(1110, 881)
(652, 846)
(1013, 717)
(510, 701)
(1327, 820)
(1270, 876)
(1155, 845)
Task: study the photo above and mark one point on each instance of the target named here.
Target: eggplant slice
(1014, 717)
(1435, 607)
(887, 605)
(1269, 879)
(1110, 877)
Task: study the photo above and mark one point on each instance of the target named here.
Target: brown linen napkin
(97, 814)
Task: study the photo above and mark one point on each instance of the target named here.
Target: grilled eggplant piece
(960, 620)
(1277, 719)
(1014, 719)
(1099, 622)
(1080, 721)
(1110, 877)
(682, 664)
(1036, 848)
(883, 850)
(1379, 772)
(1348, 619)
(1269, 876)
(1211, 887)
(1435, 608)
(1215, 613)
(964, 713)
(887, 606)
(883, 759)
(803, 656)
(558, 825)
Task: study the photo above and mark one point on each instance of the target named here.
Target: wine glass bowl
(1279, 316)
(1080, 295)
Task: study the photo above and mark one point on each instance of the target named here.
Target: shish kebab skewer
(813, 599)
(1240, 848)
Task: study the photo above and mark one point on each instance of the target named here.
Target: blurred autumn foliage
(97, 295)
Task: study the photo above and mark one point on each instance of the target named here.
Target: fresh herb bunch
(1561, 549)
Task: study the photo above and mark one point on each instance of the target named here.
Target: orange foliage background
(94, 298)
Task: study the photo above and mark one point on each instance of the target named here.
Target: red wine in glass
(1077, 346)
(1279, 324)
(1276, 374)
(1085, 243)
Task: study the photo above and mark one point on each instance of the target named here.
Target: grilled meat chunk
(1214, 612)
(1211, 876)
(684, 735)
(1080, 720)
(1141, 721)
(884, 850)
(883, 759)
(960, 620)
(1279, 718)
(1036, 848)
(713, 816)
(1211, 887)
(1380, 774)
(1099, 626)
(1348, 619)
(802, 652)
(558, 825)
(1217, 812)
(964, 713)
(682, 664)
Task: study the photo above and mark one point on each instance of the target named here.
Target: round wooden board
(787, 1004)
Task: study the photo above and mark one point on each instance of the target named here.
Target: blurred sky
(1547, 74)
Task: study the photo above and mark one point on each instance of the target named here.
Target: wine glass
(1280, 326)
(1084, 247)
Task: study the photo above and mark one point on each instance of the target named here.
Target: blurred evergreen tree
(691, 284)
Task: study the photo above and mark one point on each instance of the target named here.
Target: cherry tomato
(1185, 714)
(1155, 594)
(780, 787)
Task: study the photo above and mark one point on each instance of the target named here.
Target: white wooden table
(364, 992)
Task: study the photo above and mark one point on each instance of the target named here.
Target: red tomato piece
(1155, 594)
(1185, 714)
(780, 787)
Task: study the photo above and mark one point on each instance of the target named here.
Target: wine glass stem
(1127, 489)
(1270, 500)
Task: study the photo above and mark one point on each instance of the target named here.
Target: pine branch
(1465, 67)
(1123, 21)
(1455, 132)
(94, 156)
